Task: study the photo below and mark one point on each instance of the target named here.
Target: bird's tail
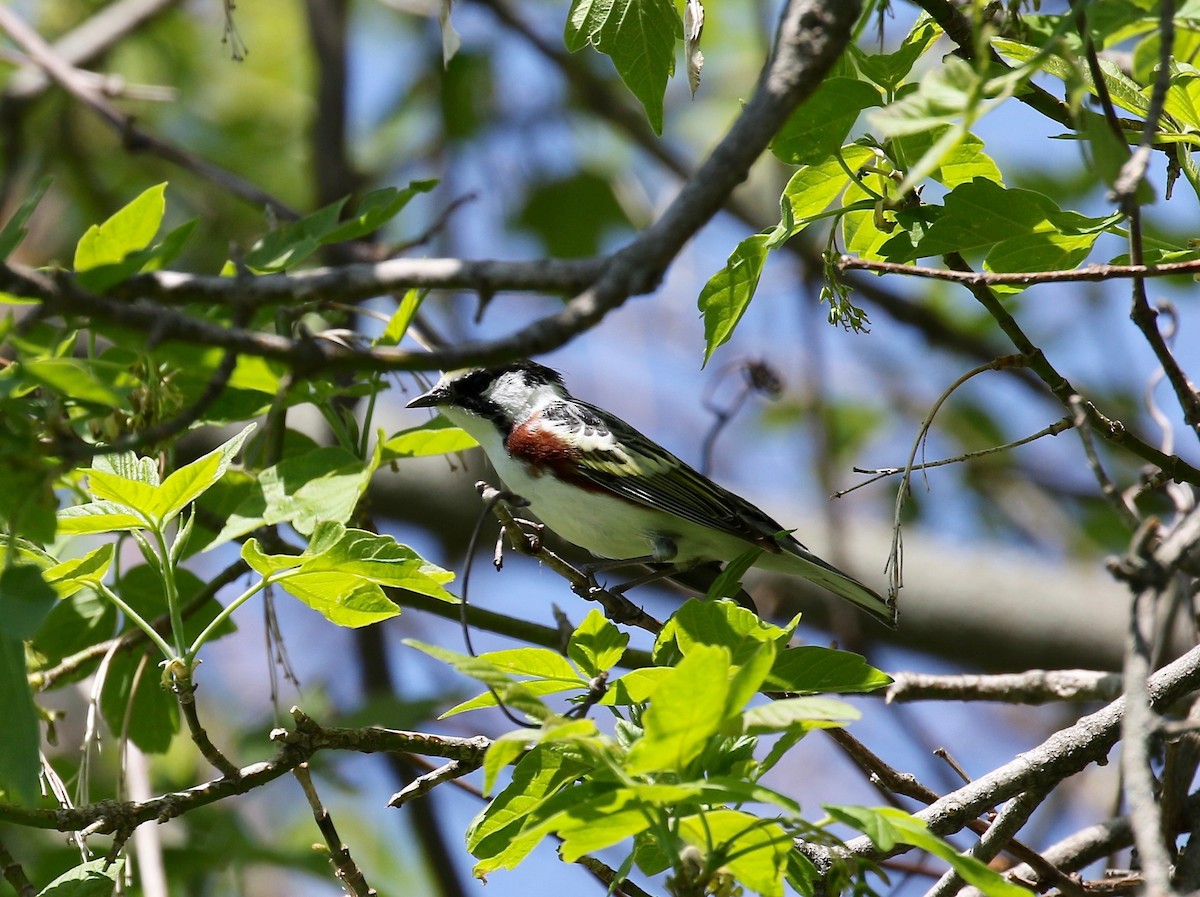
(799, 561)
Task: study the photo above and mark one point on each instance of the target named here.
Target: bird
(600, 484)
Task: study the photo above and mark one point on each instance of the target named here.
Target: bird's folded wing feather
(616, 457)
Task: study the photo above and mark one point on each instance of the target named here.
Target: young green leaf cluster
(680, 767)
(919, 132)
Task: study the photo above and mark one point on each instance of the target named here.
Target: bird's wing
(613, 456)
(609, 455)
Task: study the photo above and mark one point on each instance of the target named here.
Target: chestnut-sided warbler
(597, 482)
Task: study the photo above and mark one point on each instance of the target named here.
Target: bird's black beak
(429, 399)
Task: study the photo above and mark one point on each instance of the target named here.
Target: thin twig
(811, 36)
(1111, 430)
(1092, 843)
(1008, 822)
(895, 561)
(1063, 754)
(87, 42)
(421, 785)
(1138, 729)
(185, 693)
(1116, 498)
(885, 776)
(346, 870)
(297, 745)
(45, 679)
(1087, 273)
(880, 473)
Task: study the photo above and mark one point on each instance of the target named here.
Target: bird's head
(505, 394)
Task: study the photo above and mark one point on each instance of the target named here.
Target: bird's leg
(665, 550)
(590, 570)
(652, 576)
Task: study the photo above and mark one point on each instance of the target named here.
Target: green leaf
(729, 790)
(887, 826)
(25, 599)
(815, 712)
(324, 484)
(132, 496)
(863, 230)
(947, 91)
(287, 246)
(19, 761)
(684, 713)
(341, 572)
(438, 437)
(813, 187)
(639, 36)
(503, 751)
(378, 559)
(748, 678)
(811, 669)
(97, 517)
(14, 229)
(1040, 252)
(715, 623)
(397, 324)
(635, 687)
(541, 663)
(129, 230)
(960, 165)
(727, 294)
(981, 214)
(498, 836)
(375, 210)
(599, 823)
(76, 379)
(889, 70)
(129, 466)
(188, 483)
(342, 600)
(1123, 90)
(597, 645)
(529, 688)
(96, 878)
(509, 747)
(130, 484)
(168, 249)
(819, 126)
(729, 582)
(755, 851)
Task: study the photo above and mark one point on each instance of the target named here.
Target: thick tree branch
(1063, 754)
(1029, 687)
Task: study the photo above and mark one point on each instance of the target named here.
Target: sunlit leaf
(639, 36)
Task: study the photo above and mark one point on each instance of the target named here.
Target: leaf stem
(224, 615)
(137, 620)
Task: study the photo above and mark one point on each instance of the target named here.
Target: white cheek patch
(514, 395)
